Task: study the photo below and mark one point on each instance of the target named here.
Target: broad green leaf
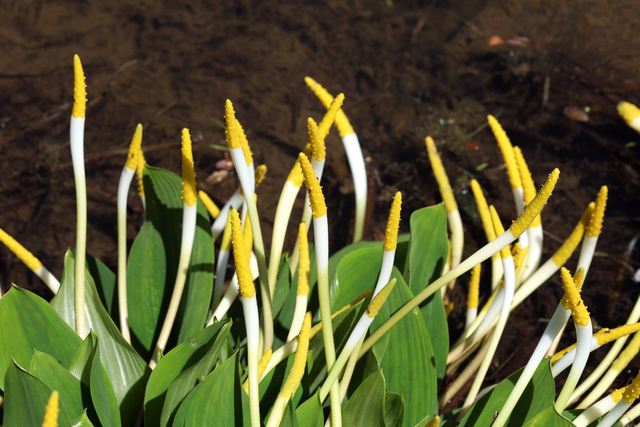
(409, 369)
(190, 377)
(56, 377)
(356, 273)
(289, 418)
(80, 367)
(105, 281)
(102, 394)
(25, 399)
(82, 421)
(311, 412)
(283, 285)
(549, 418)
(393, 409)
(119, 359)
(366, 407)
(175, 362)
(539, 394)
(217, 400)
(34, 324)
(427, 255)
(153, 263)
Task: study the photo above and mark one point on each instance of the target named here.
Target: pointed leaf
(393, 409)
(82, 421)
(102, 394)
(33, 325)
(549, 418)
(289, 418)
(366, 406)
(105, 281)
(356, 273)
(311, 412)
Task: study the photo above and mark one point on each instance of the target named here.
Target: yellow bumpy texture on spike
(533, 209)
(627, 354)
(79, 90)
(247, 288)
(330, 116)
(393, 223)
(231, 130)
(559, 355)
(632, 391)
(226, 236)
(474, 287)
(577, 281)
(528, 186)
(379, 299)
(318, 205)
(134, 149)
(304, 264)
(20, 251)
(628, 112)
(244, 143)
(342, 123)
(450, 204)
(616, 395)
(261, 173)
(139, 172)
(212, 208)
(318, 150)
(188, 172)
(507, 152)
(619, 332)
(51, 410)
(578, 309)
(295, 176)
(262, 365)
(299, 361)
(248, 237)
(564, 252)
(434, 422)
(499, 230)
(483, 210)
(595, 223)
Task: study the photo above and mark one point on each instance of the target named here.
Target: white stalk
(234, 202)
(359, 173)
(583, 348)
(595, 411)
(123, 192)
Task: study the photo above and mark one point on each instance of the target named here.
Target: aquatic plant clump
(356, 338)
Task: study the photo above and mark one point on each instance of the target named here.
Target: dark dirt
(408, 70)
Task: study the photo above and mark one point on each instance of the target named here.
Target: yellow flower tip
(342, 123)
(318, 150)
(507, 152)
(264, 362)
(295, 176)
(559, 355)
(209, 204)
(241, 259)
(330, 116)
(188, 172)
(318, 205)
(140, 171)
(474, 287)
(226, 236)
(261, 173)
(299, 361)
(79, 90)
(566, 249)
(20, 251)
(499, 230)
(572, 299)
(434, 422)
(628, 112)
(450, 204)
(605, 336)
(244, 143)
(528, 186)
(51, 410)
(304, 264)
(578, 278)
(483, 210)
(393, 224)
(379, 299)
(533, 209)
(248, 237)
(595, 223)
(233, 140)
(632, 391)
(134, 149)
(617, 394)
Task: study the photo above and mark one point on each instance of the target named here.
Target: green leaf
(283, 285)
(217, 400)
(356, 273)
(190, 377)
(427, 255)
(409, 369)
(105, 281)
(549, 418)
(153, 263)
(119, 359)
(366, 406)
(80, 367)
(48, 370)
(174, 363)
(289, 418)
(82, 421)
(539, 394)
(393, 409)
(33, 325)
(102, 394)
(25, 399)
(311, 412)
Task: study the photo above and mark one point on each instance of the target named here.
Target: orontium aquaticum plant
(359, 338)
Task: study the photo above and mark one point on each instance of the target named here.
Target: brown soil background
(408, 69)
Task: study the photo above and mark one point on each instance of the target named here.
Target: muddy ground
(407, 69)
